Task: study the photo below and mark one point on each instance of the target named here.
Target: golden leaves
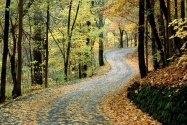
(124, 112)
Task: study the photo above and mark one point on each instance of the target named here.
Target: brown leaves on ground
(27, 110)
(171, 75)
(122, 111)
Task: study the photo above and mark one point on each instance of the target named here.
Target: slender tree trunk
(163, 7)
(31, 58)
(168, 29)
(135, 39)
(155, 61)
(146, 43)
(186, 7)
(154, 30)
(131, 40)
(101, 47)
(127, 38)
(121, 37)
(46, 47)
(37, 51)
(182, 9)
(5, 54)
(13, 61)
(176, 10)
(69, 32)
(19, 49)
(141, 57)
(162, 32)
(69, 43)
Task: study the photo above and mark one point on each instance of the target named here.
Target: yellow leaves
(114, 7)
(130, 26)
(183, 60)
(180, 28)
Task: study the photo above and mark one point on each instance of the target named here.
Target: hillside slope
(123, 112)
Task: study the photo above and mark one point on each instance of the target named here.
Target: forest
(45, 43)
(52, 42)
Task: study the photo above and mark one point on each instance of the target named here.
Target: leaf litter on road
(71, 105)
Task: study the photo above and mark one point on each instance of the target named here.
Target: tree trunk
(182, 9)
(121, 37)
(155, 61)
(135, 39)
(168, 29)
(101, 47)
(69, 32)
(5, 54)
(31, 56)
(127, 40)
(146, 43)
(141, 57)
(154, 30)
(176, 10)
(19, 49)
(37, 51)
(13, 61)
(164, 9)
(46, 47)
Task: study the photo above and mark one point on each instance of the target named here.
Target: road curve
(75, 104)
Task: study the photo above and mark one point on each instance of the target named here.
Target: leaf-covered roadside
(120, 109)
(123, 111)
(163, 94)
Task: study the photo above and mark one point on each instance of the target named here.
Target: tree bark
(69, 32)
(121, 37)
(127, 38)
(153, 45)
(168, 29)
(141, 58)
(13, 61)
(154, 30)
(37, 51)
(19, 49)
(46, 46)
(5, 54)
(182, 9)
(101, 47)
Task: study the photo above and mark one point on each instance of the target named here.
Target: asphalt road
(75, 104)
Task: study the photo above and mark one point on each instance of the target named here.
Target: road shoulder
(119, 108)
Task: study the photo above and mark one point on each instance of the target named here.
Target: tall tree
(141, 58)
(101, 47)
(168, 29)
(154, 31)
(182, 9)
(121, 31)
(46, 46)
(18, 88)
(70, 33)
(13, 58)
(37, 51)
(5, 53)
(100, 24)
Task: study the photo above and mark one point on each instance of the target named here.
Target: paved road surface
(75, 104)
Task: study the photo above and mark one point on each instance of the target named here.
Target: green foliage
(167, 104)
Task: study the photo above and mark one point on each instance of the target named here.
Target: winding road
(75, 104)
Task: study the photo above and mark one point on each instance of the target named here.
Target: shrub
(167, 104)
